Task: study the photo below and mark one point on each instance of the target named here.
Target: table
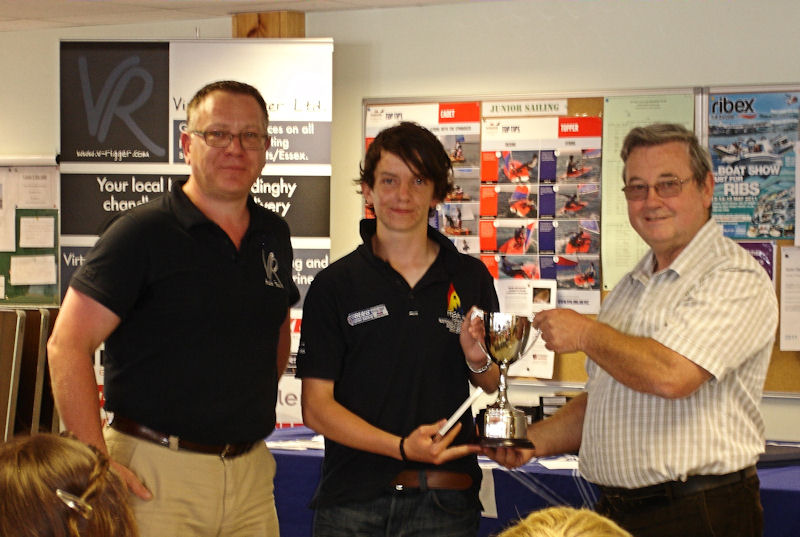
(516, 492)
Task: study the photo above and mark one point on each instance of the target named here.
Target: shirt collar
(189, 216)
(369, 226)
(448, 253)
(701, 242)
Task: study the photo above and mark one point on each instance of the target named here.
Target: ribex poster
(752, 137)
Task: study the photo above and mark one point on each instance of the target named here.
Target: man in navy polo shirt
(385, 355)
(191, 294)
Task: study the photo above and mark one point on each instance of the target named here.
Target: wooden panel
(270, 24)
(570, 367)
(12, 328)
(35, 395)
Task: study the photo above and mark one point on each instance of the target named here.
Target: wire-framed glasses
(667, 188)
(222, 139)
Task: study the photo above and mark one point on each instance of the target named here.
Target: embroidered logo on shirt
(455, 313)
(369, 314)
(271, 270)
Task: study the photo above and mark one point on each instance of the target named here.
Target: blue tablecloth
(517, 492)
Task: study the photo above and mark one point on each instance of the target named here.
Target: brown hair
(662, 133)
(565, 522)
(53, 486)
(421, 151)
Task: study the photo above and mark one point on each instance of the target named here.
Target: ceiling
(18, 15)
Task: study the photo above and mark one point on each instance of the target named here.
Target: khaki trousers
(199, 495)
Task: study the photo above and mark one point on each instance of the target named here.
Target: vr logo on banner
(116, 111)
(100, 113)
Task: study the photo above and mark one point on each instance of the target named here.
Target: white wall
(523, 47)
(29, 76)
(466, 49)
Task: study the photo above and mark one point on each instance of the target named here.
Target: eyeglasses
(222, 139)
(665, 189)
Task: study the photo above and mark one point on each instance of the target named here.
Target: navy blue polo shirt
(393, 353)
(195, 352)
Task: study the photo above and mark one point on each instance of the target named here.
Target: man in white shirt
(669, 427)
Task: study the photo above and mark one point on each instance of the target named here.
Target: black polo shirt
(195, 352)
(393, 353)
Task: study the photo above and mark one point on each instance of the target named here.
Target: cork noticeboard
(452, 118)
(784, 367)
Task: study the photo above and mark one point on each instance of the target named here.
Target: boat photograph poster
(752, 138)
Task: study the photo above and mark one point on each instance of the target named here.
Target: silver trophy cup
(504, 342)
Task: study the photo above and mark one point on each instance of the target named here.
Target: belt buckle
(225, 451)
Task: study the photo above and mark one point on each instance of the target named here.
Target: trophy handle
(478, 314)
(533, 337)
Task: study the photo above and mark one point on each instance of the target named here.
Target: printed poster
(457, 126)
(752, 138)
(540, 200)
(622, 247)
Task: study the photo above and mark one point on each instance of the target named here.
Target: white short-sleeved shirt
(716, 306)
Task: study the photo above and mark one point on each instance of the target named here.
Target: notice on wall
(33, 270)
(764, 253)
(526, 197)
(540, 195)
(622, 247)
(29, 234)
(37, 232)
(529, 297)
(790, 299)
(752, 137)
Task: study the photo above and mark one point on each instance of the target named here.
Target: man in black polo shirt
(385, 356)
(191, 295)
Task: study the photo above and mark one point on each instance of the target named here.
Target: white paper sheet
(33, 270)
(527, 297)
(790, 299)
(37, 232)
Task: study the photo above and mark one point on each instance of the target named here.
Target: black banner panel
(116, 107)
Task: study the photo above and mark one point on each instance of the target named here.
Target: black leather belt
(431, 479)
(677, 489)
(130, 427)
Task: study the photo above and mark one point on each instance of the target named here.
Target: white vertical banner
(123, 107)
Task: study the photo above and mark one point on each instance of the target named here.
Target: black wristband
(402, 449)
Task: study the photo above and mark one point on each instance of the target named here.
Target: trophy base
(523, 443)
(500, 426)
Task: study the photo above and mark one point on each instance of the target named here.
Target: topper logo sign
(101, 111)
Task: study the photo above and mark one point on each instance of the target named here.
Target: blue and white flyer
(752, 138)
